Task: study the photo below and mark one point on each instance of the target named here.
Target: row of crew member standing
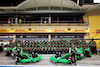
(53, 45)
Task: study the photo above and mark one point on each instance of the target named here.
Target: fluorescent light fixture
(96, 1)
(49, 28)
(87, 28)
(10, 28)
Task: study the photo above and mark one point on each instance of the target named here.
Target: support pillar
(49, 19)
(49, 37)
(87, 36)
(14, 37)
(16, 19)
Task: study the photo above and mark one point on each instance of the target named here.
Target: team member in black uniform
(94, 47)
(18, 50)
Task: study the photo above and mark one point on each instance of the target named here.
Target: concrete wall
(93, 13)
(44, 27)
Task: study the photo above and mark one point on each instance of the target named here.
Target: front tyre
(7, 53)
(89, 54)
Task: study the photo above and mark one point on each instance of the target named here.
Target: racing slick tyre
(89, 54)
(73, 59)
(1, 49)
(7, 53)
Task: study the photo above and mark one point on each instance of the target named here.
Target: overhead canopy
(35, 5)
(48, 5)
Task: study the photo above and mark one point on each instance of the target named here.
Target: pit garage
(50, 32)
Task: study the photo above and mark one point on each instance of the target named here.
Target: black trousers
(94, 49)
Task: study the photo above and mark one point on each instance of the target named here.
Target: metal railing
(56, 23)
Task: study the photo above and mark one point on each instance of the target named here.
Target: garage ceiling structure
(10, 2)
(49, 6)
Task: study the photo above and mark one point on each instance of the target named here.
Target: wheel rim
(73, 59)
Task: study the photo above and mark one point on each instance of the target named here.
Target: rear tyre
(73, 59)
(7, 53)
(89, 54)
(15, 63)
(1, 49)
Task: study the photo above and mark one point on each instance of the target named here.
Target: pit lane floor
(93, 61)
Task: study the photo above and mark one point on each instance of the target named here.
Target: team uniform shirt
(54, 48)
(94, 45)
(33, 47)
(68, 44)
(48, 47)
(57, 48)
(84, 41)
(61, 42)
(90, 44)
(44, 48)
(82, 44)
(9, 21)
(58, 41)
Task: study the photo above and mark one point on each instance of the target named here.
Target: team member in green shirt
(20, 21)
